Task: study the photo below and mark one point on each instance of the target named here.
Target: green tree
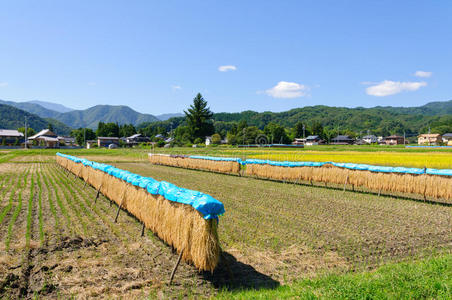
(80, 134)
(50, 127)
(127, 130)
(199, 118)
(107, 129)
(216, 139)
(30, 131)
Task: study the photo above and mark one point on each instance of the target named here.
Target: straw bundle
(228, 167)
(434, 186)
(179, 225)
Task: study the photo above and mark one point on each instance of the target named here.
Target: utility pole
(26, 129)
(404, 137)
(84, 136)
(304, 131)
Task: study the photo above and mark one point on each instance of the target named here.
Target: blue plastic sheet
(209, 207)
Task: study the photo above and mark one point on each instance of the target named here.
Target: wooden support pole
(84, 186)
(379, 192)
(345, 184)
(119, 207)
(175, 267)
(98, 192)
(142, 229)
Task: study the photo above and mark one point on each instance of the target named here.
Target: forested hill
(90, 117)
(14, 118)
(104, 113)
(377, 120)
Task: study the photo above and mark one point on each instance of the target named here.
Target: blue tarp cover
(209, 207)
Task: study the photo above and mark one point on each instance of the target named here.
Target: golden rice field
(435, 160)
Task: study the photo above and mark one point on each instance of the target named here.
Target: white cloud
(423, 74)
(227, 68)
(388, 87)
(286, 89)
(3, 84)
(176, 87)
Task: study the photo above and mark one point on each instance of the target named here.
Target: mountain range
(410, 119)
(89, 118)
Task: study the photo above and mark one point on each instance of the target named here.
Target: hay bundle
(179, 225)
(433, 186)
(228, 167)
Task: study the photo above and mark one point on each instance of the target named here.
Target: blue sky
(259, 55)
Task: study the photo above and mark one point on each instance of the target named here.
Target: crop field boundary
(422, 185)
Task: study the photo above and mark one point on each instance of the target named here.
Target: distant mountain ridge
(52, 106)
(12, 118)
(164, 117)
(104, 113)
(90, 117)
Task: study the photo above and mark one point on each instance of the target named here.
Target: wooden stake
(98, 192)
(175, 267)
(142, 229)
(345, 184)
(85, 184)
(120, 204)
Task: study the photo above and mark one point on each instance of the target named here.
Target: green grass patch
(424, 279)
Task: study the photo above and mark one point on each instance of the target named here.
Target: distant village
(48, 139)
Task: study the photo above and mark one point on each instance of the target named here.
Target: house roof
(430, 135)
(371, 136)
(45, 132)
(394, 137)
(134, 136)
(312, 137)
(342, 138)
(447, 135)
(107, 138)
(8, 132)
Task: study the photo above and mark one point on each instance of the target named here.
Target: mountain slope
(164, 117)
(13, 118)
(106, 113)
(33, 108)
(52, 106)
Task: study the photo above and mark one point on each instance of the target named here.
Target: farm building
(447, 139)
(67, 140)
(11, 137)
(299, 141)
(394, 140)
(429, 139)
(313, 140)
(342, 140)
(90, 144)
(370, 139)
(103, 141)
(45, 138)
(137, 139)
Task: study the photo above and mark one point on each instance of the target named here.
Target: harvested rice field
(56, 241)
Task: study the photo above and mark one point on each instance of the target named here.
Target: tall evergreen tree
(199, 118)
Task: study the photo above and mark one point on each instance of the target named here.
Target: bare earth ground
(55, 241)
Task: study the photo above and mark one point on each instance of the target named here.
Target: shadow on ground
(232, 274)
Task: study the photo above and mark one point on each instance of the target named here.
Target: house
(208, 140)
(370, 139)
(103, 141)
(429, 139)
(45, 138)
(11, 137)
(394, 140)
(90, 144)
(342, 140)
(447, 139)
(313, 140)
(298, 141)
(66, 140)
(137, 139)
(160, 136)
